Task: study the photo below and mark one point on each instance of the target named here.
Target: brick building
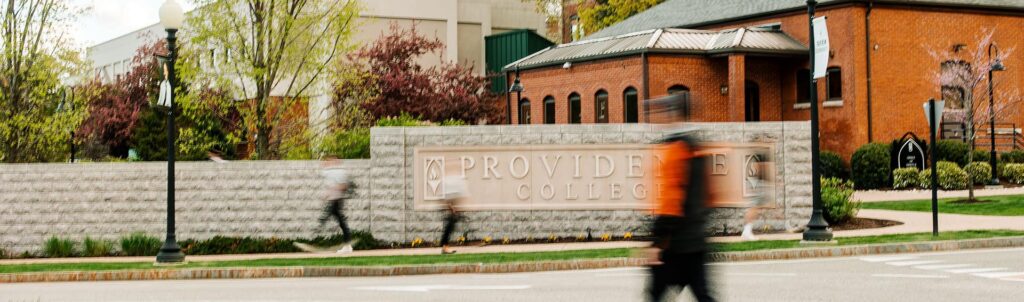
(746, 61)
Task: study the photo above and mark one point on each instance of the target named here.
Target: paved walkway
(913, 222)
(876, 195)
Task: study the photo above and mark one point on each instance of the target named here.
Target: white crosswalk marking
(909, 263)
(975, 270)
(910, 276)
(943, 266)
(887, 258)
(999, 274)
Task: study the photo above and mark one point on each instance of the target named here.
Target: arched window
(630, 100)
(601, 106)
(676, 89)
(575, 113)
(549, 110)
(524, 112)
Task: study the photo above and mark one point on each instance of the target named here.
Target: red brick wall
(586, 78)
(903, 73)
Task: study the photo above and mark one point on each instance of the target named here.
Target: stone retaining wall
(283, 198)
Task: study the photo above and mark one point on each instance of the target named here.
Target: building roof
(694, 13)
(668, 40)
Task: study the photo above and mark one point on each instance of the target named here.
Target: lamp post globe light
(995, 65)
(171, 17)
(67, 104)
(817, 228)
(517, 87)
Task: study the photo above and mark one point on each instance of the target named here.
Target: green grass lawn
(489, 258)
(1012, 205)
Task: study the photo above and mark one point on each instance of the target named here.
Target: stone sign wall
(396, 215)
(283, 198)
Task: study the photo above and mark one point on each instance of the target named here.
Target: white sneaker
(345, 250)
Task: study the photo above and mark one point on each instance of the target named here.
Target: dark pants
(335, 208)
(678, 271)
(449, 226)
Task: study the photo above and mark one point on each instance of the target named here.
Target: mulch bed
(864, 223)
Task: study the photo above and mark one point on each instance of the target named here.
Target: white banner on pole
(821, 47)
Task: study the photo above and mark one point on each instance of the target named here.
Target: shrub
(870, 166)
(354, 143)
(220, 245)
(59, 248)
(903, 178)
(832, 165)
(980, 172)
(403, 120)
(924, 178)
(952, 177)
(835, 199)
(953, 150)
(140, 244)
(1014, 173)
(946, 165)
(982, 156)
(1013, 157)
(97, 248)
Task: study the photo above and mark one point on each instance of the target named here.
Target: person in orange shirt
(680, 212)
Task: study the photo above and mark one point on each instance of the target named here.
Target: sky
(108, 19)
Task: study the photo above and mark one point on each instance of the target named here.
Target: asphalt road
(979, 275)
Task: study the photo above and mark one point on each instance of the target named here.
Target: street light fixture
(68, 105)
(517, 87)
(817, 227)
(933, 112)
(996, 65)
(171, 17)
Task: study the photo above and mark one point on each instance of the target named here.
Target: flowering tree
(115, 112)
(964, 80)
(385, 80)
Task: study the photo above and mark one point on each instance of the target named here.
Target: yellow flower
(606, 237)
(487, 240)
(628, 235)
(505, 240)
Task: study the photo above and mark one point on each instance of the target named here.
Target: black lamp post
(517, 87)
(817, 227)
(172, 17)
(996, 65)
(68, 105)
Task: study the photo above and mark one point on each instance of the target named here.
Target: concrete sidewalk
(913, 222)
(878, 195)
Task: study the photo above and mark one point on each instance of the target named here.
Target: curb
(868, 249)
(480, 268)
(317, 271)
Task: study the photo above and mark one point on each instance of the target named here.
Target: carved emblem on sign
(434, 178)
(753, 176)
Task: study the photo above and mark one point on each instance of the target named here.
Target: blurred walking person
(339, 188)
(454, 194)
(680, 213)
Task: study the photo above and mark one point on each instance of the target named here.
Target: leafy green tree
(596, 15)
(275, 55)
(35, 57)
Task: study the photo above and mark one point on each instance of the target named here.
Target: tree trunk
(970, 142)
